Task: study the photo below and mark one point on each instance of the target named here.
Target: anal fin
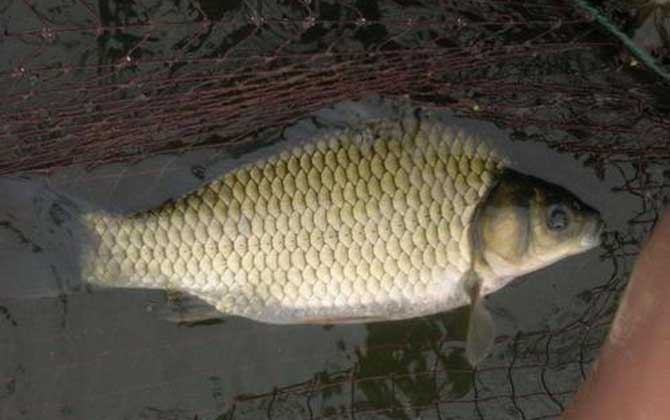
(183, 308)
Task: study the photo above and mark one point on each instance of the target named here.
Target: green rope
(641, 55)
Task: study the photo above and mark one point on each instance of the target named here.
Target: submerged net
(123, 80)
(118, 81)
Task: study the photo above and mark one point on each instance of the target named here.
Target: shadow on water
(419, 367)
(398, 371)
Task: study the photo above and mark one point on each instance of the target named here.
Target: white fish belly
(358, 225)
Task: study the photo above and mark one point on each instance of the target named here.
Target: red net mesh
(119, 81)
(125, 80)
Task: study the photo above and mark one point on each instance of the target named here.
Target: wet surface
(125, 80)
(109, 354)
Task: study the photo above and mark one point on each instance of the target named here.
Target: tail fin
(40, 240)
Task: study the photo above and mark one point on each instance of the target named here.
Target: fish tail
(40, 239)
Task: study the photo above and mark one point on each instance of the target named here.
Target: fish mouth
(595, 234)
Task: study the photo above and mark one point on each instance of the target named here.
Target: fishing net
(118, 81)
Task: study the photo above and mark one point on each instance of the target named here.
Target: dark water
(110, 354)
(69, 352)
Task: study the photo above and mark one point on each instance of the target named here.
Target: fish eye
(557, 217)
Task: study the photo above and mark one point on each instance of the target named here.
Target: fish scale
(355, 224)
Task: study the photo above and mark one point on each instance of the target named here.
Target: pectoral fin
(481, 329)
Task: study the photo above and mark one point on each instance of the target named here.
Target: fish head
(526, 223)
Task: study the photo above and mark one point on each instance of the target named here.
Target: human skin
(631, 377)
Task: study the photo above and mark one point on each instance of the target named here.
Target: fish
(389, 220)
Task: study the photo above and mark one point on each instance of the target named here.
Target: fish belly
(358, 225)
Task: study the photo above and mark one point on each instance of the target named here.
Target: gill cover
(524, 224)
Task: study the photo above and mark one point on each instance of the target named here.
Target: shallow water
(108, 354)
(134, 77)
